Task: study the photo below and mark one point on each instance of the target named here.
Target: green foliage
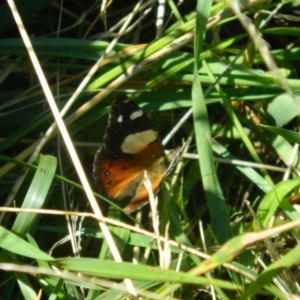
(230, 224)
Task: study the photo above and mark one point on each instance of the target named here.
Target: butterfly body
(131, 146)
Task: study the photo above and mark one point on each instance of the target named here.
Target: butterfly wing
(130, 147)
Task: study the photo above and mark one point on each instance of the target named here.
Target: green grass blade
(120, 235)
(111, 269)
(37, 193)
(235, 121)
(63, 47)
(289, 260)
(25, 286)
(292, 136)
(272, 200)
(14, 244)
(283, 109)
(213, 192)
(249, 172)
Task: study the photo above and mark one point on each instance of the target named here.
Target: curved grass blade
(273, 200)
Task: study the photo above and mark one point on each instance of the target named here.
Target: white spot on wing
(135, 142)
(120, 119)
(136, 114)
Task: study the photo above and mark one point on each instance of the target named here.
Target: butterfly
(130, 147)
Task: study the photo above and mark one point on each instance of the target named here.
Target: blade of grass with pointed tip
(213, 192)
(25, 286)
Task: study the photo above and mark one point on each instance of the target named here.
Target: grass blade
(213, 192)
